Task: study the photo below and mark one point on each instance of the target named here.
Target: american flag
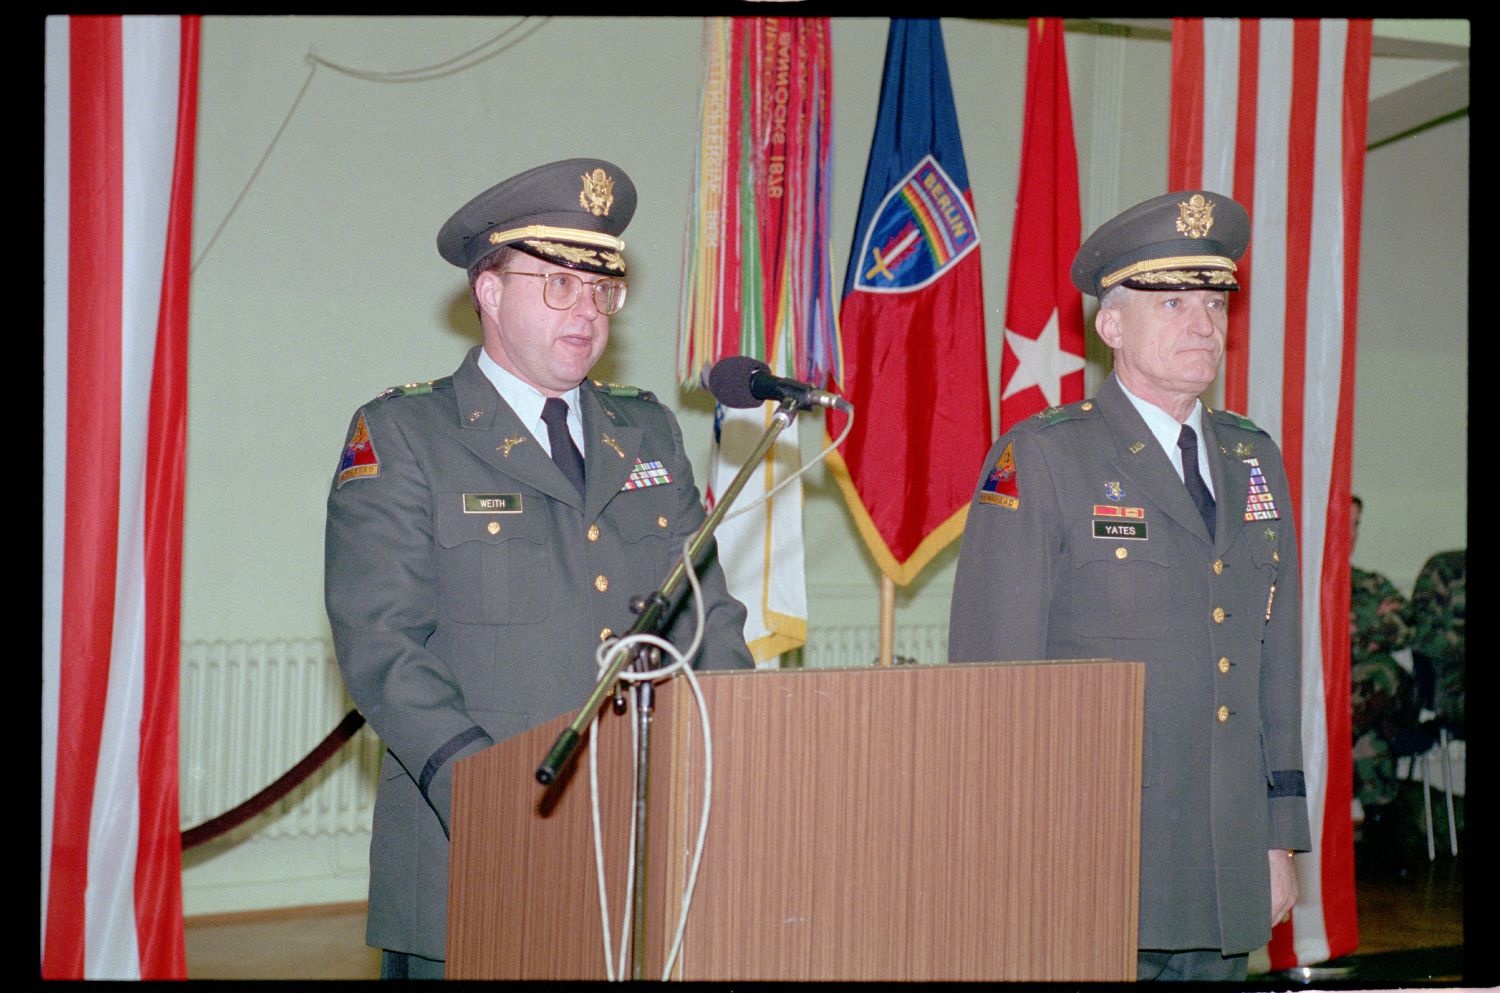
(120, 113)
(1272, 112)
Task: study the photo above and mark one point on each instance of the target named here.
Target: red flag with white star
(1042, 364)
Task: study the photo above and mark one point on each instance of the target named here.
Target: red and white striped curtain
(120, 113)
(1272, 112)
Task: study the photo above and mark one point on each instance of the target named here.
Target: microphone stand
(653, 612)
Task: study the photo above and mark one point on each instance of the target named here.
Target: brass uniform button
(1087, 405)
(1222, 713)
(1120, 552)
(493, 527)
(1218, 615)
(1223, 663)
(601, 582)
(605, 634)
(593, 532)
(661, 522)
(1218, 567)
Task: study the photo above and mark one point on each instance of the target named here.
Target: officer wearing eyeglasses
(487, 531)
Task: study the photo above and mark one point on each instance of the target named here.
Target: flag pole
(887, 619)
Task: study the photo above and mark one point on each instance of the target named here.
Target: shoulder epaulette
(1065, 412)
(629, 392)
(1238, 420)
(409, 390)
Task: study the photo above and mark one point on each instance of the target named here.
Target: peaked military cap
(569, 212)
(1188, 240)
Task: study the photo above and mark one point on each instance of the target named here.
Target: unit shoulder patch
(359, 459)
(1000, 487)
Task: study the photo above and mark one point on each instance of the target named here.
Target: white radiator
(252, 710)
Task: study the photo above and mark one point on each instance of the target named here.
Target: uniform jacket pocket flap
(455, 524)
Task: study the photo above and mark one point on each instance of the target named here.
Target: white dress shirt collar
(526, 400)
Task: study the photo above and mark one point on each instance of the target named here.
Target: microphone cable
(678, 666)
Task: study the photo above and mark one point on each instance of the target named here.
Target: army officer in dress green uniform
(1142, 525)
(486, 531)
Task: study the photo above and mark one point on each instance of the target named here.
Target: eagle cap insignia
(598, 193)
(1195, 218)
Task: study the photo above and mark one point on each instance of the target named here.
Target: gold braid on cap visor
(1175, 262)
(577, 235)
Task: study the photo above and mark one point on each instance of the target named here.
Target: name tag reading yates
(492, 503)
(1129, 530)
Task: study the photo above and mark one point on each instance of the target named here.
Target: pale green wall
(324, 286)
(1412, 378)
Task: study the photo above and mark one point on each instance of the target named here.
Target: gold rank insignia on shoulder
(409, 389)
(621, 390)
(1237, 420)
(1063, 412)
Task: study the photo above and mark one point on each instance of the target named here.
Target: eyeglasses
(561, 289)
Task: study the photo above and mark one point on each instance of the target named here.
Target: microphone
(740, 381)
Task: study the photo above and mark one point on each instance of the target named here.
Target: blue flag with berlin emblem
(912, 320)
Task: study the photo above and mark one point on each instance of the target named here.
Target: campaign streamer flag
(1272, 112)
(757, 281)
(912, 322)
(1043, 361)
(120, 111)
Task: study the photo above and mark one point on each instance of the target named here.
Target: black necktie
(564, 452)
(1188, 442)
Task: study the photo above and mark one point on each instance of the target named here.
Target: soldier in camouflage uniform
(1381, 698)
(1437, 644)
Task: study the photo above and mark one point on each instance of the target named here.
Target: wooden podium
(942, 822)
